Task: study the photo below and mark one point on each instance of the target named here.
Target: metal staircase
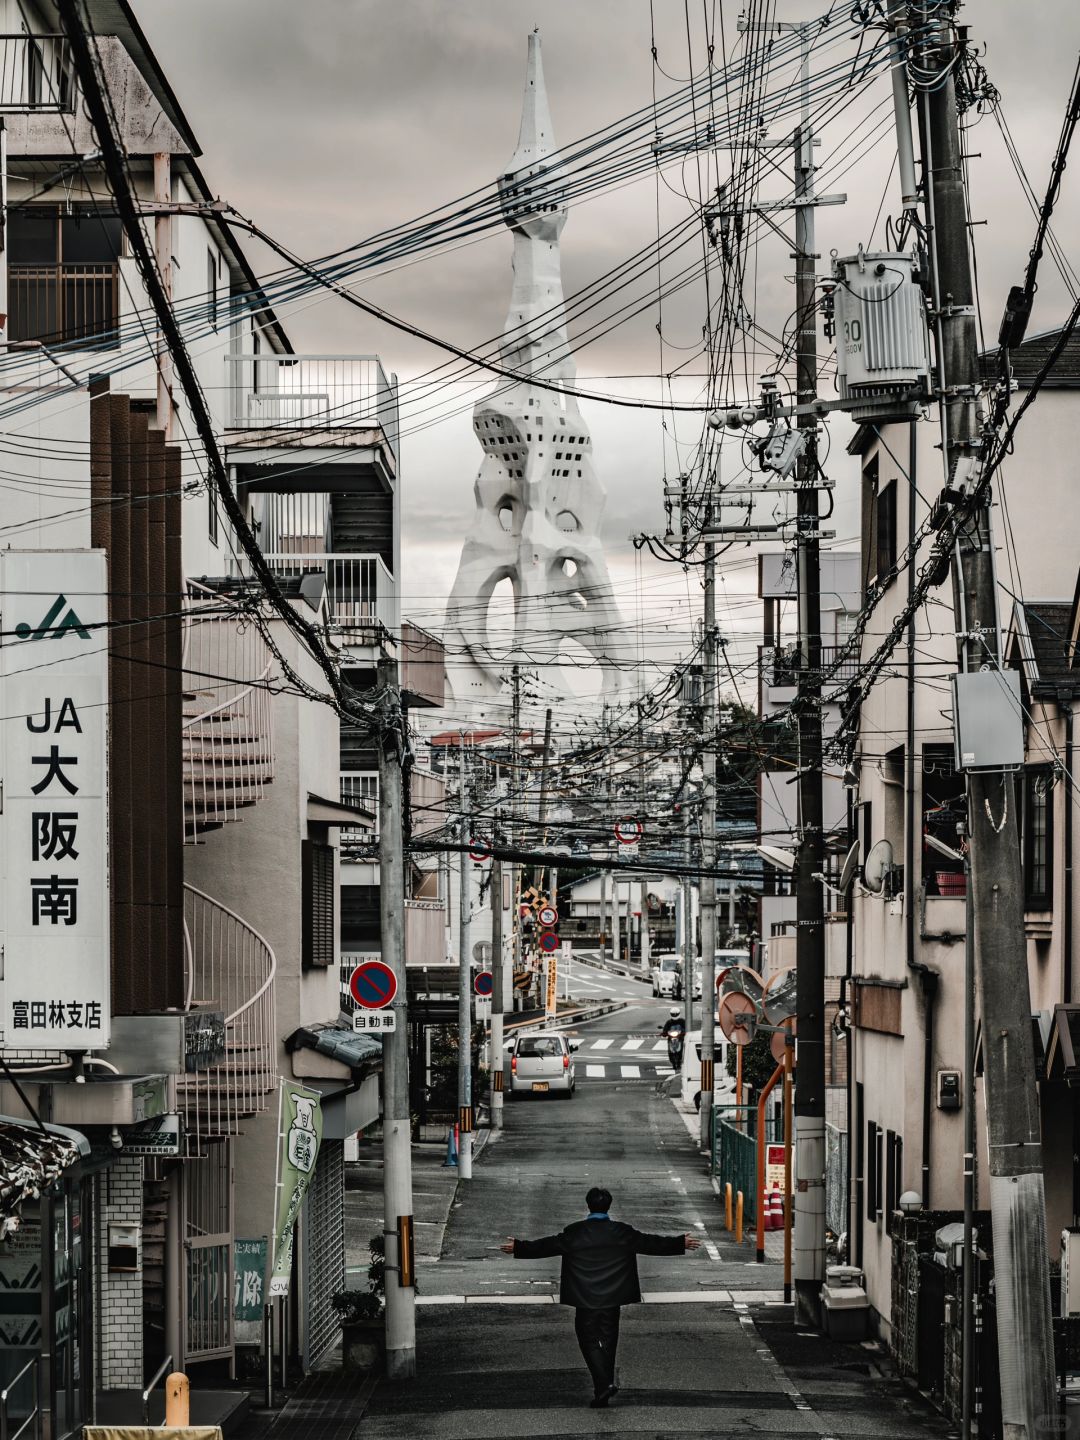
(228, 734)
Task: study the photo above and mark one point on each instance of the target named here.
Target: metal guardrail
(34, 1417)
(76, 305)
(360, 591)
(160, 1373)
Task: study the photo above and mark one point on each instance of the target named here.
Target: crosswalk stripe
(601, 1044)
(660, 1045)
(630, 1072)
(597, 1072)
(632, 1044)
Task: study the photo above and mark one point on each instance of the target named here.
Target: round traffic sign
(484, 983)
(628, 831)
(548, 915)
(373, 984)
(549, 941)
(480, 849)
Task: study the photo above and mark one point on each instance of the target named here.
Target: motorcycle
(675, 1041)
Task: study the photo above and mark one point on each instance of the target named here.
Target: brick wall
(119, 1307)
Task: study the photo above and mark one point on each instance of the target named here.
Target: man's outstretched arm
(646, 1244)
(533, 1249)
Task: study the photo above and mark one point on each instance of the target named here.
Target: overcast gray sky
(329, 120)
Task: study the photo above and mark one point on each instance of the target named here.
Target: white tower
(538, 498)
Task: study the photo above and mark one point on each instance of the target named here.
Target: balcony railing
(76, 305)
(36, 73)
(361, 594)
(425, 932)
(228, 967)
(312, 392)
(782, 666)
(228, 726)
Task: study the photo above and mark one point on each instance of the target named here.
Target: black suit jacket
(599, 1260)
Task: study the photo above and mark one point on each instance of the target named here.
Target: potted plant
(360, 1314)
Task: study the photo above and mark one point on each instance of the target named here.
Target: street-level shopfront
(46, 1279)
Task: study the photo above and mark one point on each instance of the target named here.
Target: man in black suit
(599, 1274)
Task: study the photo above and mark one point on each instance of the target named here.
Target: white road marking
(632, 1044)
(660, 1045)
(711, 1250)
(601, 1044)
(597, 1072)
(630, 1072)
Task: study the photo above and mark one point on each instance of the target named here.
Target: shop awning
(33, 1158)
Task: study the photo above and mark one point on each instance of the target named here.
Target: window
(894, 1176)
(885, 529)
(944, 806)
(873, 1170)
(318, 944)
(1038, 838)
(63, 276)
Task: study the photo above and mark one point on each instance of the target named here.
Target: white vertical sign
(54, 669)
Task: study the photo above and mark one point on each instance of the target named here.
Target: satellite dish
(779, 859)
(851, 864)
(877, 866)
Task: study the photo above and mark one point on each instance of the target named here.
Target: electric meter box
(1070, 1273)
(988, 725)
(882, 354)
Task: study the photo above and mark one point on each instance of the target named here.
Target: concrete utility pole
(643, 929)
(1014, 1148)
(688, 922)
(465, 1105)
(707, 885)
(515, 811)
(397, 1130)
(810, 897)
(498, 994)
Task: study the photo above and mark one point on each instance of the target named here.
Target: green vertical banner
(299, 1137)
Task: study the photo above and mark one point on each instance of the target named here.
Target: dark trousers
(598, 1336)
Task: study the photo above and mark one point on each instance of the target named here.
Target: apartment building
(906, 1004)
(211, 925)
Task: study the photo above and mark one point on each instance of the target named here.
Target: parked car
(665, 975)
(542, 1064)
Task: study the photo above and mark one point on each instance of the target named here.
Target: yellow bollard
(738, 1217)
(177, 1400)
(727, 1206)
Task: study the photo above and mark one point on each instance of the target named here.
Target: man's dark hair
(598, 1200)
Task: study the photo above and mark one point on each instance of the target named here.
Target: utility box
(1070, 1273)
(882, 351)
(948, 1089)
(988, 724)
(845, 1306)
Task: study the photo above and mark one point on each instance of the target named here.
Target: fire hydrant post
(177, 1400)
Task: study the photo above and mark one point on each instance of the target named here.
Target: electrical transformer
(882, 356)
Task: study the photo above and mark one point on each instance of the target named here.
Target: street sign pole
(397, 1129)
(465, 1107)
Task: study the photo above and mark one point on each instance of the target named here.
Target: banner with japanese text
(300, 1126)
(54, 690)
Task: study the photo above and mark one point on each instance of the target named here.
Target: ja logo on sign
(49, 625)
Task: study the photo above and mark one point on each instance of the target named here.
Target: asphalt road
(710, 1353)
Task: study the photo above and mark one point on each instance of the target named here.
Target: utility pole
(498, 994)
(688, 922)
(515, 802)
(810, 897)
(643, 931)
(1014, 1147)
(707, 884)
(465, 1105)
(397, 1128)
